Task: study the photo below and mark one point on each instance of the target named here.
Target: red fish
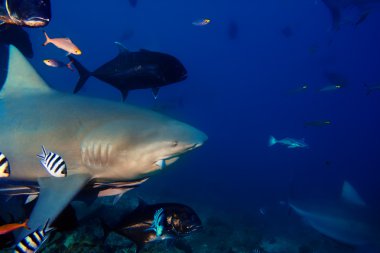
(7, 228)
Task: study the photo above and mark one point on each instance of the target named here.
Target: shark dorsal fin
(350, 195)
(22, 78)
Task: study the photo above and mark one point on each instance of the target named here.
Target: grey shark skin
(98, 139)
(336, 8)
(349, 220)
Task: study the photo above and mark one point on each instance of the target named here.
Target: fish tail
(69, 65)
(47, 39)
(271, 141)
(84, 74)
(43, 154)
(25, 224)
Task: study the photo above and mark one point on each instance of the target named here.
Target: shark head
(97, 139)
(135, 149)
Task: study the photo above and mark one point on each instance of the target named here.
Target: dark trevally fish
(336, 8)
(135, 70)
(158, 222)
(15, 35)
(29, 13)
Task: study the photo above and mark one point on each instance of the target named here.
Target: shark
(337, 7)
(348, 220)
(101, 141)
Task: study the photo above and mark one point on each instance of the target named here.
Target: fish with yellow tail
(58, 64)
(63, 43)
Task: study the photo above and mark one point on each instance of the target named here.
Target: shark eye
(174, 144)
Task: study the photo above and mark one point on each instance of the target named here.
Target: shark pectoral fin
(55, 195)
(155, 91)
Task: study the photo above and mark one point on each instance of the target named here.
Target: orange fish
(63, 43)
(7, 228)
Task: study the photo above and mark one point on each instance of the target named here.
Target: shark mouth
(165, 161)
(162, 163)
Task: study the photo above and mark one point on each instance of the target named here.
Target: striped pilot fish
(32, 242)
(53, 163)
(5, 169)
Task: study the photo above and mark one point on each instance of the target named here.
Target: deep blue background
(238, 92)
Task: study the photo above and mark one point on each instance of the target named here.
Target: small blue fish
(157, 225)
(201, 22)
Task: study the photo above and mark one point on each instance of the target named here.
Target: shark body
(349, 220)
(99, 140)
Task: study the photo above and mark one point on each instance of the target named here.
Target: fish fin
(84, 74)
(25, 224)
(55, 195)
(44, 151)
(121, 47)
(22, 79)
(46, 228)
(117, 198)
(2, 22)
(30, 198)
(271, 141)
(155, 91)
(69, 66)
(350, 195)
(47, 39)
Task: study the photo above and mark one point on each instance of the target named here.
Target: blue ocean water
(240, 90)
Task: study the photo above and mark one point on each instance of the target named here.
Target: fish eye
(174, 143)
